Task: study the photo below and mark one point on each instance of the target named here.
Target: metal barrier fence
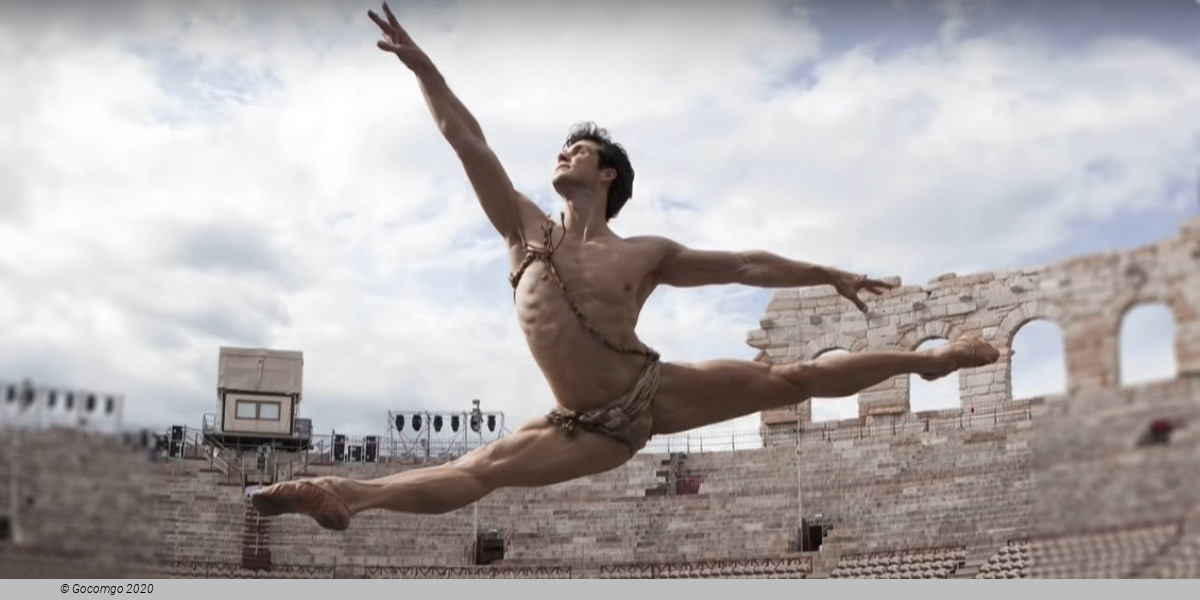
(714, 440)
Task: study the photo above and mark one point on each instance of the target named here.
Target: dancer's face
(579, 164)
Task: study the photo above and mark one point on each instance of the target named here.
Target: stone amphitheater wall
(995, 470)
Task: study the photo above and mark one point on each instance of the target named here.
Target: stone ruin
(1099, 481)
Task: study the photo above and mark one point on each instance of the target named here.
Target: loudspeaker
(489, 547)
(811, 536)
(339, 447)
(371, 451)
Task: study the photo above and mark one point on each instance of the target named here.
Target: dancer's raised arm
(508, 210)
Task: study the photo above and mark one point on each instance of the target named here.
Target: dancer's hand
(849, 284)
(398, 42)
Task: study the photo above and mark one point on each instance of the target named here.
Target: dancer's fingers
(401, 35)
(387, 29)
(389, 47)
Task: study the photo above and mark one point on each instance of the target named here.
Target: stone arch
(1147, 351)
(929, 330)
(1171, 297)
(1019, 316)
(833, 409)
(1040, 368)
(833, 341)
(944, 393)
(1006, 334)
(1143, 289)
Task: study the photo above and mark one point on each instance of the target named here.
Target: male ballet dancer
(579, 290)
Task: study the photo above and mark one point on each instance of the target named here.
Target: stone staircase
(256, 540)
(667, 476)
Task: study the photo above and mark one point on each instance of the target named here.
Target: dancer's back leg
(537, 454)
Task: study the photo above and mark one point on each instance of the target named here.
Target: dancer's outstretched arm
(509, 211)
(681, 266)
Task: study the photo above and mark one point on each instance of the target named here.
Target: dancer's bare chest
(601, 283)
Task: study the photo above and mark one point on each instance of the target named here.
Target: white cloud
(183, 178)
(955, 20)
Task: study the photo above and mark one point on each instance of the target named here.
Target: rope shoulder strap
(545, 254)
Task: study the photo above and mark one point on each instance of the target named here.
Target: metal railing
(712, 441)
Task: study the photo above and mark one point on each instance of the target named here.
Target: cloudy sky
(179, 176)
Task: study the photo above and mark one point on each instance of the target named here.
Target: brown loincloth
(626, 419)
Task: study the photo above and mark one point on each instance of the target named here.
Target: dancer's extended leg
(537, 454)
(695, 395)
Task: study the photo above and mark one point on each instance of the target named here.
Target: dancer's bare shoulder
(652, 248)
(677, 265)
(649, 252)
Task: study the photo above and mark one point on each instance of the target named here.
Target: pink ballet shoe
(304, 497)
(978, 353)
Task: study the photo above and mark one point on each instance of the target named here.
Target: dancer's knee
(479, 473)
(799, 375)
